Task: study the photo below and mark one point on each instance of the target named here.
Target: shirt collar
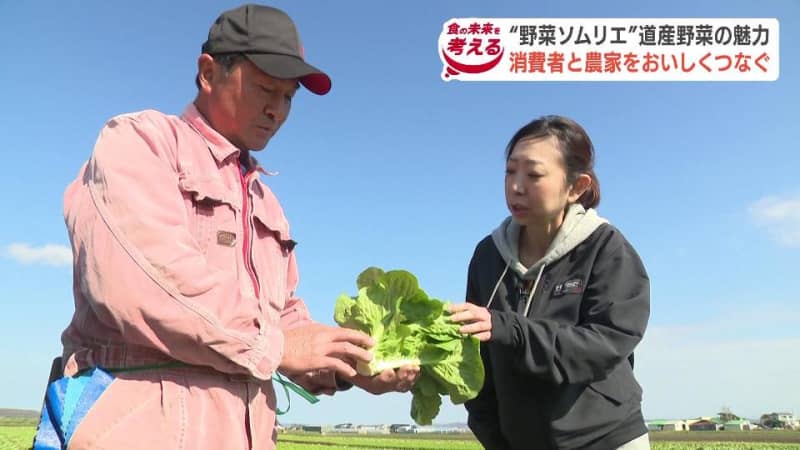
(220, 147)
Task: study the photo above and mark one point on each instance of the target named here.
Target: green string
(310, 398)
(287, 385)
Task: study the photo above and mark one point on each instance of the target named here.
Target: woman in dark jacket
(559, 300)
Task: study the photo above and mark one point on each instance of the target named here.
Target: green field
(773, 436)
(19, 437)
(16, 437)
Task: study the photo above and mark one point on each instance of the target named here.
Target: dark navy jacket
(562, 377)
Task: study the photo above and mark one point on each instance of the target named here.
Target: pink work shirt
(178, 256)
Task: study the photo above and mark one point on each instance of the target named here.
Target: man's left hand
(390, 380)
(316, 382)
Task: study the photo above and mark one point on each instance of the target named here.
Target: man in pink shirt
(184, 269)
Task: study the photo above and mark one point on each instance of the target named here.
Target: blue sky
(399, 169)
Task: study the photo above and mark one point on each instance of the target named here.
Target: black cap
(268, 37)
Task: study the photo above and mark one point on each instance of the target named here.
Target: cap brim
(288, 67)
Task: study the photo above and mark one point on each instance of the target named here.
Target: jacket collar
(220, 147)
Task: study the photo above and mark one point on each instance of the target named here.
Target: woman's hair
(576, 149)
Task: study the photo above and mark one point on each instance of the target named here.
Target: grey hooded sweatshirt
(559, 365)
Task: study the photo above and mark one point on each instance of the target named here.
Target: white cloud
(780, 217)
(48, 254)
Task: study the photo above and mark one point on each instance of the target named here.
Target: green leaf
(426, 401)
(342, 312)
(411, 328)
(368, 277)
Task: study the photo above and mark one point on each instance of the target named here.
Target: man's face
(246, 105)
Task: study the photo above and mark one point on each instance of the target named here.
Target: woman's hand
(477, 320)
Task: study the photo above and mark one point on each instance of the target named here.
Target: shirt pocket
(212, 210)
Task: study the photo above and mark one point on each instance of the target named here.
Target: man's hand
(390, 380)
(317, 347)
(316, 382)
(477, 320)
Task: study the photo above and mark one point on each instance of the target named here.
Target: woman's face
(537, 190)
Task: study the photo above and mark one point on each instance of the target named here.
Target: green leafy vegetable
(410, 328)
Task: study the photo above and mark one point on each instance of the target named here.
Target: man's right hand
(315, 347)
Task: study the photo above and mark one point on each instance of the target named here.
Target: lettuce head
(411, 328)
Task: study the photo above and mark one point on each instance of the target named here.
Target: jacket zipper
(247, 236)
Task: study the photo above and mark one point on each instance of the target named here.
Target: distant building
(343, 428)
(780, 420)
(373, 429)
(737, 425)
(705, 425)
(790, 420)
(726, 415)
(440, 429)
(293, 427)
(402, 428)
(689, 422)
(667, 425)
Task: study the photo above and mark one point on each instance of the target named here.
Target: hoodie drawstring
(496, 286)
(530, 295)
(533, 289)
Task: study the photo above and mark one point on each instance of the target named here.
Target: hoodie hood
(579, 224)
